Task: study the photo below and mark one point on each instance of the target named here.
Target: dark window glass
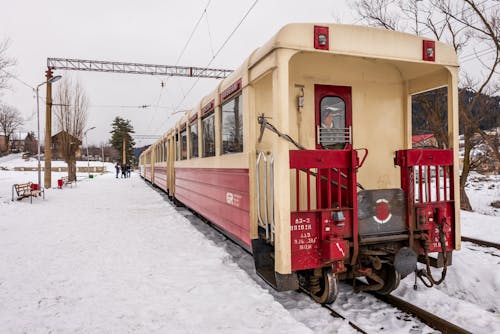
(208, 124)
(184, 145)
(333, 131)
(177, 147)
(232, 126)
(193, 131)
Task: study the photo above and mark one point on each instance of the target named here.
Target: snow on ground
(482, 191)
(114, 256)
(110, 256)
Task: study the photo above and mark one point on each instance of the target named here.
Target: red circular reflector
(382, 210)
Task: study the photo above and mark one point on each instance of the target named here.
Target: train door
(333, 122)
(333, 114)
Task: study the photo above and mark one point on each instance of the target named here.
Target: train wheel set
(304, 157)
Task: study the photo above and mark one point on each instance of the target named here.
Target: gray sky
(152, 32)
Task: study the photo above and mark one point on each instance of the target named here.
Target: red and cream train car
(303, 155)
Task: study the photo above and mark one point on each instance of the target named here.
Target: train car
(303, 156)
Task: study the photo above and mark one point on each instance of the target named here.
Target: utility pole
(48, 132)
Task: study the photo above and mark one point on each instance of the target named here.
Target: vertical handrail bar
(271, 186)
(429, 184)
(438, 197)
(445, 168)
(259, 215)
(308, 189)
(420, 188)
(297, 189)
(318, 189)
(329, 188)
(339, 191)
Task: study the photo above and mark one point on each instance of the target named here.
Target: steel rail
(481, 242)
(426, 317)
(336, 314)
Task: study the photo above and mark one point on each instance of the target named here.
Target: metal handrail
(259, 216)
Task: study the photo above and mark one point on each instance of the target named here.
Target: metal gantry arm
(135, 68)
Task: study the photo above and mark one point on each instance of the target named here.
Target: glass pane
(183, 145)
(333, 131)
(193, 130)
(232, 126)
(208, 124)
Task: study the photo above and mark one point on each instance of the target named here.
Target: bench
(66, 181)
(25, 190)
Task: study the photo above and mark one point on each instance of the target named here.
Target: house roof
(420, 138)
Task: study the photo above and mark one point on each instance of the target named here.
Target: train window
(333, 133)
(184, 144)
(177, 146)
(232, 126)
(208, 135)
(193, 137)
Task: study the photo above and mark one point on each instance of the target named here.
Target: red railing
(333, 172)
(426, 175)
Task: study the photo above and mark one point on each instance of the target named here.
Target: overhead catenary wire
(163, 85)
(213, 58)
(220, 49)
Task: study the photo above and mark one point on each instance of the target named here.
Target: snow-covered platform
(112, 255)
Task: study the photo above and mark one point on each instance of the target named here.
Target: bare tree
(71, 117)
(10, 120)
(467, 25)
(5, 62)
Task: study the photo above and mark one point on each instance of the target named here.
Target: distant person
(128, 170)
(117, 168)
(124, 171)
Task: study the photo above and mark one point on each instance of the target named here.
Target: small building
(59, 141)
(3, 144)
(424, 141)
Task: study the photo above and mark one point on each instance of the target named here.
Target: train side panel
(218, 194)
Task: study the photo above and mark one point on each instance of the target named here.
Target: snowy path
(113, 256)
(95, 261)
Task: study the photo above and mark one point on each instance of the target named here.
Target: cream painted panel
(378, 98)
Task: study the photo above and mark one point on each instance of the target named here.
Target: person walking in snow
(124, 175)
(117, 168)
(128, 170)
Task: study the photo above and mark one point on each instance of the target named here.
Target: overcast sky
(151, 32)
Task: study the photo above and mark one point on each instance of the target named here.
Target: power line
(220, 49)
(213, 58)
(179, 58)
(484, 53)
(18, 79)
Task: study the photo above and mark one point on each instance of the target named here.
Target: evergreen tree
(122, 130)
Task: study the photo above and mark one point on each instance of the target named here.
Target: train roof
(356, 40)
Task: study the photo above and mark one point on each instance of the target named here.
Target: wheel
(328, 287)
(391, 279)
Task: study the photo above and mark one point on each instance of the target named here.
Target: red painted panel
(147, 172)
(161, 177)
(320, 159)
(321, 38)
(344, 93)
(429, 50)
(220, 195)
(425, 157)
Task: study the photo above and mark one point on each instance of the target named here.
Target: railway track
(426, 317)
(336, 314)
(481, 242)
